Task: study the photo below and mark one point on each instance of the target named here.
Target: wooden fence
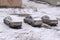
(11, 3)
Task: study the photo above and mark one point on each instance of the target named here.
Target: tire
(19, 27)
(30, 23)
(25, 21)
(10, 26)
(4, 21)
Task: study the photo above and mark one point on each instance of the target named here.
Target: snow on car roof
(37, 19)
(34, 16)
(52, 17)
(16, 18)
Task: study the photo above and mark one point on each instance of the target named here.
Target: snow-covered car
(50, 20)
(13, 21)
(33, 20)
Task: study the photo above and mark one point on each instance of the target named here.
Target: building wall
(11, 3)
(53, 2)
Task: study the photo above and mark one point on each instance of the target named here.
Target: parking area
(27, 32)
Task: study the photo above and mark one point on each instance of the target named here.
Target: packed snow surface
(28, 32)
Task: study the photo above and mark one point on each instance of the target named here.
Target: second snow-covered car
(33, 20)
(13, 21)
(50, 20)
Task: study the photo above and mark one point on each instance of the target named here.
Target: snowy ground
(28, 32)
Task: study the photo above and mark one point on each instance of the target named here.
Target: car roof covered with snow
(51, 17)
(36, 17)
(15, 18)
(33, 16)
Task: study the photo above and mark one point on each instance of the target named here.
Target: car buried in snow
(13, 21)
(50, 20)
(33, 20)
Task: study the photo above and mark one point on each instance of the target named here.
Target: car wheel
(4, 21)
(9, 24)
(19, 27)
(30, 23)
(24, 20)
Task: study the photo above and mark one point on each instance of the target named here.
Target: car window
(27, 17)
(45, 17)
(6, 18)
(30, 17)
(9, 18)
